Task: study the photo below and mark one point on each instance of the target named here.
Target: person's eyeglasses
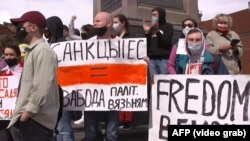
(188, 25)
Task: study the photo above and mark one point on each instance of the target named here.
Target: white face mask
(185, 30)
(154, 18)
(116, 27)
(195, 48)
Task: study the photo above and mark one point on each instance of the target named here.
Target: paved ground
(138, 133)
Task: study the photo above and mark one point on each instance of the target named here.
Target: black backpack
(60, 107)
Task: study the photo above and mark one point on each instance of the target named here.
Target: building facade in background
(137, 10)
(241, 25)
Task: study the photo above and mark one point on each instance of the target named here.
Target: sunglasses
(189, 25)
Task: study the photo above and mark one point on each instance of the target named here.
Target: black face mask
(21, 33)
(100, 31)
(11, 62)
(84, 35)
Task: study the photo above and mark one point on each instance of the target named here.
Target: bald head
(103, 19)
(107, 16)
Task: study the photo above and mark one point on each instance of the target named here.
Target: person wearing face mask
(64, 128)
(87, 30)
(159, 35)
(37, 106)
(103, 26)
(219, 42)
(54, 30)
(187, 24)
(197, 60)
(121, 26)
(12, 57)
(121, 29)
(4, 41)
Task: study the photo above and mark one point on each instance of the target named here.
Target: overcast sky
(209, 8)
(64, 9)
(83, 9)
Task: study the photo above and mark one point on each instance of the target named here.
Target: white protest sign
(103, 74)
(8, 95)
(181, 49)
(198, 100)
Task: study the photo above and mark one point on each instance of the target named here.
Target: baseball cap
(32, 16)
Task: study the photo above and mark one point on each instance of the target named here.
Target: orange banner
(103, 74)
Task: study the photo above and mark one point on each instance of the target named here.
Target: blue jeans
(91, 125)
(64, 127)
(158, 67)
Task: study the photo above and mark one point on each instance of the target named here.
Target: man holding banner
(102, 25)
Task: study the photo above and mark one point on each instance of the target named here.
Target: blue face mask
(195, 48)
(154, 18)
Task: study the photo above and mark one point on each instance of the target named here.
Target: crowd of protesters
(39, 113)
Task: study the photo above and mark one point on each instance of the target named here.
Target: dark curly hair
(6, 40)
